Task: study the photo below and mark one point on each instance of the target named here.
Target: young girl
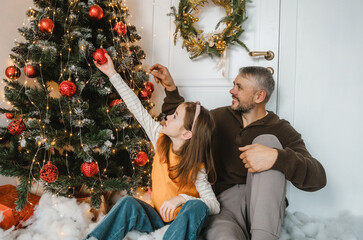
(181, 193)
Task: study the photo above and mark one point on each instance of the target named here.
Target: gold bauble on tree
(53, 89)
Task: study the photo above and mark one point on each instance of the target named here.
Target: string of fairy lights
(116, 6)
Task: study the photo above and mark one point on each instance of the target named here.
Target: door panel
(197, 78)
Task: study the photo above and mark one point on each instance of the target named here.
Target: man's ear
(260, 96)
(187, 135)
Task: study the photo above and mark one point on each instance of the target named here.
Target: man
(254, 152)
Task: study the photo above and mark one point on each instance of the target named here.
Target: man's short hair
(262, 78)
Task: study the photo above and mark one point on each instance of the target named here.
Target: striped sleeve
(206, 193)
(151, 127)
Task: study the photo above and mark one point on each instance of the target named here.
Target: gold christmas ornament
(196, 3)
(213, 44)
(195, 46)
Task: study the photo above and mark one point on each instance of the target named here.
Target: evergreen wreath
(213, 44)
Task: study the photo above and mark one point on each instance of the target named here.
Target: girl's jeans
(133, 214)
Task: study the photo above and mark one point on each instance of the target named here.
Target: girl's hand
(168, 208)
(106, 68)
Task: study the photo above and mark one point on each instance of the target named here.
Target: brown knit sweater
(299, 167)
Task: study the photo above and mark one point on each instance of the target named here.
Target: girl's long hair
(196, 151)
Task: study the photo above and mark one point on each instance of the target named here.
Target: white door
(199, 79)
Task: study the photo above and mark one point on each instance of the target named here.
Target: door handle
(269, 55)
(272, 71)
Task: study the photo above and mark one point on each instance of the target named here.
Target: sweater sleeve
(171, 101)
(299, 167)
(205, 192)
(151, 127)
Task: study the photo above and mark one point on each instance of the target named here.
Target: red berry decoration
(52, 150)
(115, 102)
(120, 29)
(99, 56)
(128, 49)
(49, 173)
(95, 12)
(31, 71)
(141, 159)
(89, 169)
(9, 115)
(144, 94)
(12, 72)
(16, 127)
(46, 25)
(150, 87)
(67, 88)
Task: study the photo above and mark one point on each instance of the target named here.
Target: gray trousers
(254, 210)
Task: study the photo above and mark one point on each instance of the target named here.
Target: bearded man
(254, 152)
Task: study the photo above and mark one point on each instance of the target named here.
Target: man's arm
(299, 167)
(294, 160)
(172, 100)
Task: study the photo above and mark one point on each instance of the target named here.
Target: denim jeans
(132, 214)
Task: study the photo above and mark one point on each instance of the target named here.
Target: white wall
(12, 16)
(321, 84)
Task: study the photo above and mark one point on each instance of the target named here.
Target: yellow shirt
(164, 188)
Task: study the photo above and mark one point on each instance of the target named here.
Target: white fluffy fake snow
(54, 218)
(59, 218)
(300, 226)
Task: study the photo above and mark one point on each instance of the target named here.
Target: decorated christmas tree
(69, 129)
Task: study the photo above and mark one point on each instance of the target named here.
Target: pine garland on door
(214, 44)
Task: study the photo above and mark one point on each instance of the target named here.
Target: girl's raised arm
(151, 127)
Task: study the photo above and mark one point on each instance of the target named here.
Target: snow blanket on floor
(59, 218)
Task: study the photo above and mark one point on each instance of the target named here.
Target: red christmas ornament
(99, 56)
(16, 127)
(9, 115)
(31, 71)
(95, 12)
(12, 72)
(120, 29)
(150, 87)
(115, 102)
(128, 49)
(49, 173)
(144, 94)
(67, 88)
(141, 159)
(46, 25)
(89, 169)
(52, 150)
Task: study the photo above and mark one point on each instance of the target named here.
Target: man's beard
(245, 108)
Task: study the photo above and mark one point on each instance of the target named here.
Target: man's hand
(106, 68)
(168, 208)
(161, 75)
(258, 158)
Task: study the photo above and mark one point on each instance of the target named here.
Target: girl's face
(174, 124)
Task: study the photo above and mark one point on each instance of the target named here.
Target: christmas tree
(69, 128)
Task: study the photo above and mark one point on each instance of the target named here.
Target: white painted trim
(287, 61)
(287, 65)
